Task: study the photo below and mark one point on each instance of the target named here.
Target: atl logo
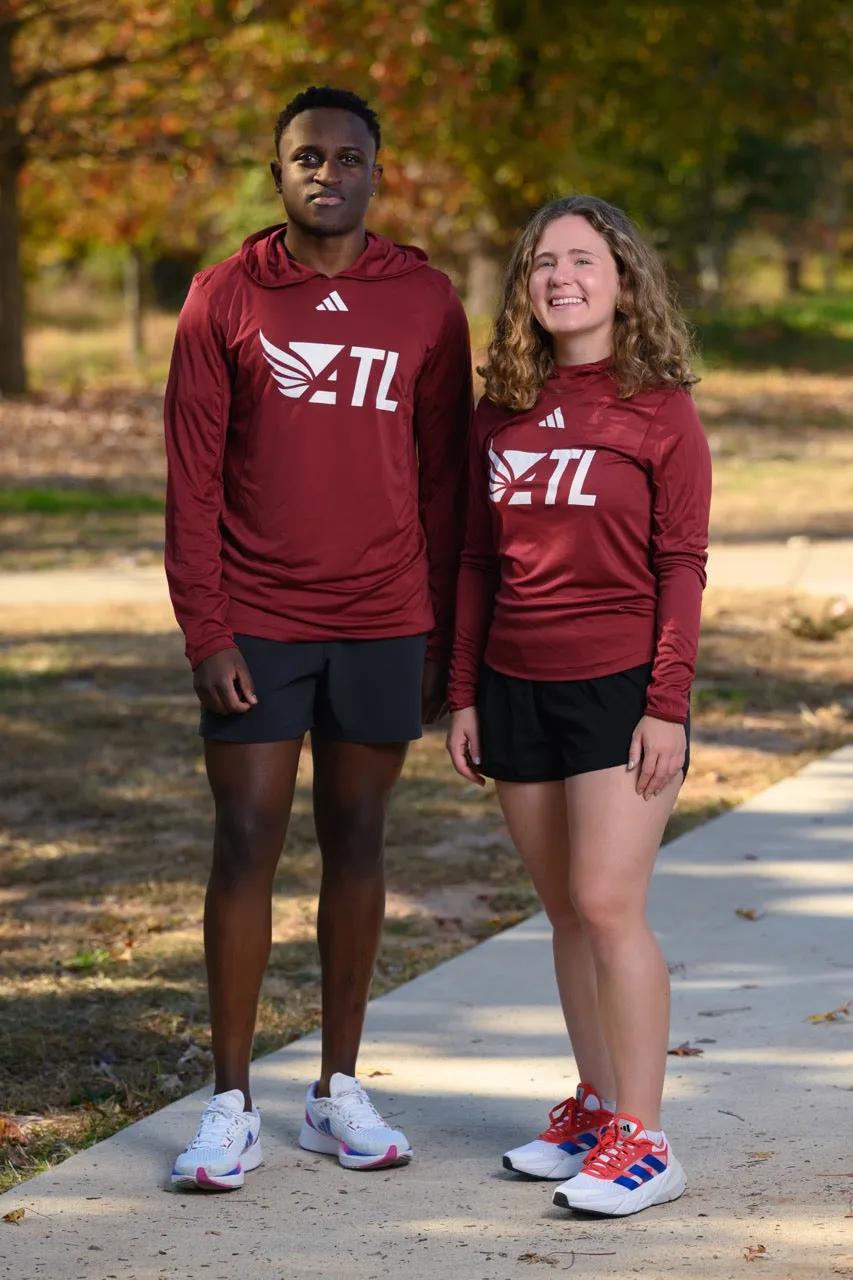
(517, 467)
(298, 370)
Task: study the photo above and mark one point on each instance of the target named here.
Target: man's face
(327, 171)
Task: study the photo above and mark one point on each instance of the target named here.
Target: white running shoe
(625, 1173)
(226, 1146)
(560, 1150)
(347, 1125)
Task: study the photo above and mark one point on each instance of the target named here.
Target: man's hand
(659, 748)
(433, 691)
(463, 744)
(223, 683)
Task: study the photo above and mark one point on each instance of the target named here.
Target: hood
(265, 260)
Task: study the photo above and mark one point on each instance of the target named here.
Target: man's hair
(325, 96)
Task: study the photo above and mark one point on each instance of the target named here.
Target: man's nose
(328, 174)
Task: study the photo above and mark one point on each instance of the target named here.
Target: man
(317, 415)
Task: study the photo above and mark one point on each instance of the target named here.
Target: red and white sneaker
(560, 1151)
(625, 1173)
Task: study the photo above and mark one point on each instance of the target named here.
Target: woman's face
(574, 289)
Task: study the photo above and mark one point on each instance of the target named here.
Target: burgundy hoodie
(587, 539)
(317, 434)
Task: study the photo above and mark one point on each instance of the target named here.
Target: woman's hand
(659, 748)
(463, 744)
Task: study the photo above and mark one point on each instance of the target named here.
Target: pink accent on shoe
(380, 1161)
(204, 1179)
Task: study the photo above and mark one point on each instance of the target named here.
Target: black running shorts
(548, 730)
(348, 690)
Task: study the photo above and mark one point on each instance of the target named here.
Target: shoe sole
(666, 1187)
(324, 1144)
(201, 1180)
(541, 1177)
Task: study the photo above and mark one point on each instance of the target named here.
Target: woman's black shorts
(547, 730)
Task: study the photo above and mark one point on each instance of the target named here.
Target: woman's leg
(535, 814)
(614, 836)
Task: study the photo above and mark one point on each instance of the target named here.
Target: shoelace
(218, 1122)
(564, 1117)
(614, 1151)
(358, 1110)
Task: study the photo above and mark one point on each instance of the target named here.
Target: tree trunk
(793, 271)
(483, 285)
(133, 271)
(834, 223)
(709, 275)
(13, 378)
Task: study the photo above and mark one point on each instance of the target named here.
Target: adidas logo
(334, 302)
(554, 419)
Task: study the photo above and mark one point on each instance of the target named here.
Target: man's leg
(352, 786)
(252, 785)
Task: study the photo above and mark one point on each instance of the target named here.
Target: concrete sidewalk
(821, 567)
(469, 1058)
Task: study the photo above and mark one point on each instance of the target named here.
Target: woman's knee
(605, 914)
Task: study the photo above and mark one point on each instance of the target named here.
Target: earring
(278, 189)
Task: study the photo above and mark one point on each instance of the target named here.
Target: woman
(578, 622)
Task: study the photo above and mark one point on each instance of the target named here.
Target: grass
(105, 846)
(811, 333)
(74, 502)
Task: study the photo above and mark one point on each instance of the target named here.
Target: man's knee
(247, 843)
(352, 835)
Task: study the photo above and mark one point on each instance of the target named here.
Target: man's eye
(350, 160)
(308, 158)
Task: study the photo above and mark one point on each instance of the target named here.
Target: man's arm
(198, 397)
(443, 409)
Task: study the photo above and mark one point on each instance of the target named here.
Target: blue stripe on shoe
(626, 1182)
(639, 1171)
(585, 1142)
(657, 1165)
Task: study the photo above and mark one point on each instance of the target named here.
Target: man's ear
(275, 170)
(377, 178)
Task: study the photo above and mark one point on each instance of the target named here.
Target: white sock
(657, 1136)
(608, 1104)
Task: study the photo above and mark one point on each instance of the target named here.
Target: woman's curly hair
(652, 344)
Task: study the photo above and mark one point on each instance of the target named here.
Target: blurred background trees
(134, 136)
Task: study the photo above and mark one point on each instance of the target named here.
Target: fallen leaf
(834, 1015)
(686, 1050)
(760, 1155)
(753, 1251)
(15, 1216)
(170, 1084)
(10, 1131)
(195, 1053)
(547, 1258)
(749, 913)
(379, 1072)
